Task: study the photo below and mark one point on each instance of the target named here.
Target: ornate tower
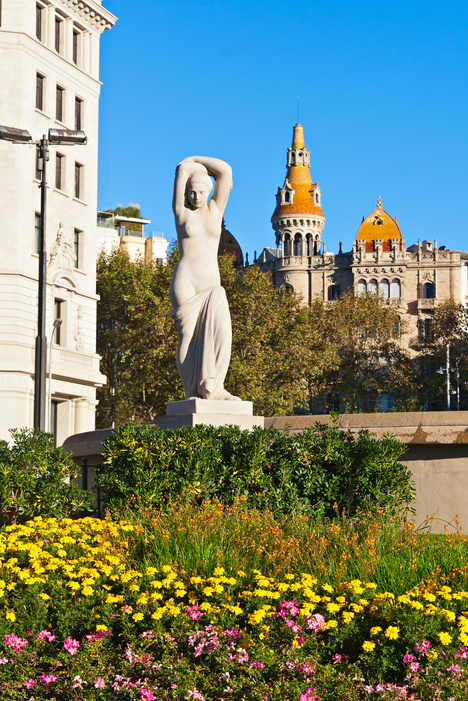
(298, 219)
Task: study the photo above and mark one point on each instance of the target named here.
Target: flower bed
(81, 620)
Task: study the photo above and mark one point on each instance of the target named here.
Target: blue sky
(383, 101)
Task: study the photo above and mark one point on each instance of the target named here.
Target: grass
(391, 552)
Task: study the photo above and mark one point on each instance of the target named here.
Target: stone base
(209, 406)
(211, 412)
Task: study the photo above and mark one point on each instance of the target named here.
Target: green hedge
(313, 470)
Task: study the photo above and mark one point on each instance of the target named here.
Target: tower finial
(298, 137)
(298, 121)
(379, 202)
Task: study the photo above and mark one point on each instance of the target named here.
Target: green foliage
(35, 479)
(318, 470)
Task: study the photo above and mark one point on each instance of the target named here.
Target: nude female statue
(199, 305)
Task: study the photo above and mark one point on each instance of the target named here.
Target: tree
(449, 327)
(365, 333)
(136, 339)
(278, 349)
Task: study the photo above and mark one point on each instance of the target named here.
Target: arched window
(298, 245)
(287, 197)
(429, 290)
(309, 245)
(384, 289)
(361, 287)
(372, 287)
(333, 292)
(395, 289)
(287, 245)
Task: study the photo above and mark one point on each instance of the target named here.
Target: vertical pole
(41, 338)
(447, 370)
(458, 389)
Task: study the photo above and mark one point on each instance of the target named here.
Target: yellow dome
(378, 225)
(298, 177)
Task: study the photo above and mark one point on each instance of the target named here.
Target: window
(427, 329)
(78, 114)
(76, 247)
(78, 188)
(286, 196)
(384, 288)
(58, 33)
(333, 292)
(59, 171)
(395, 289)
(429, 290)
(361, 287)
(76, 49)
(40, 80)
(39, 11)
(372, 288)
(37, 231)
(59, 99)
(58, 314)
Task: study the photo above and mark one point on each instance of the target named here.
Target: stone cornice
(92, 13)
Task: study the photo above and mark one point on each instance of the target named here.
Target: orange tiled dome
(379, 225)
(298, 177)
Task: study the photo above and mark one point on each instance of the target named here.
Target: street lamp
(56, 137)
(56, 325)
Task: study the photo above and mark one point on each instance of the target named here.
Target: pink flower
(71, 645)
(413, 668)
(46, 634)
(257, 665)
(3, 660)
(99, 683)
(48, 678)
(29, 684)
(194, 612)
(15, 643)
(337, 658)
(147, 695)
(423, 647)
(315, 622)
(194, 694)
(408, 658)
(308, 696)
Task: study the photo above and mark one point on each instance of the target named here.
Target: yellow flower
(332, 623)
(87, 591)
(432, 655)
(327, 587)
(375, 630)
(445, 638)
(368, 645)
(348, 616)
(289, 576)
(392, 632)
(332, 608)
(10, 616)
(44, 596)
(137, 616)
(101, 627)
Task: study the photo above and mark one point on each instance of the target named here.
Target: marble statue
(199, 305)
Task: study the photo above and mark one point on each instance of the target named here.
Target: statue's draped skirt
(203, 324)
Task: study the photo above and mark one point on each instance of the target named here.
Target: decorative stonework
(92, 13)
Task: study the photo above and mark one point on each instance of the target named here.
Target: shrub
(319, 470)
(35, 479)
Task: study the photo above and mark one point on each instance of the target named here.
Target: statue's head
(199, 186)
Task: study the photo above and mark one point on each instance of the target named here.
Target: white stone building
(128, 234)
(49, 73)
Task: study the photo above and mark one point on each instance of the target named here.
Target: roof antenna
(298, 109)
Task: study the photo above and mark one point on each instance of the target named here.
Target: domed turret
(298, 218)
(379, 226)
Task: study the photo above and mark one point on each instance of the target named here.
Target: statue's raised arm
(200, 308)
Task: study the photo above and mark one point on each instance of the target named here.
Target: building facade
(127, 234)
(49, 72)
(414, 279)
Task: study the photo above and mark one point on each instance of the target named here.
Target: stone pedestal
(209, 412)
